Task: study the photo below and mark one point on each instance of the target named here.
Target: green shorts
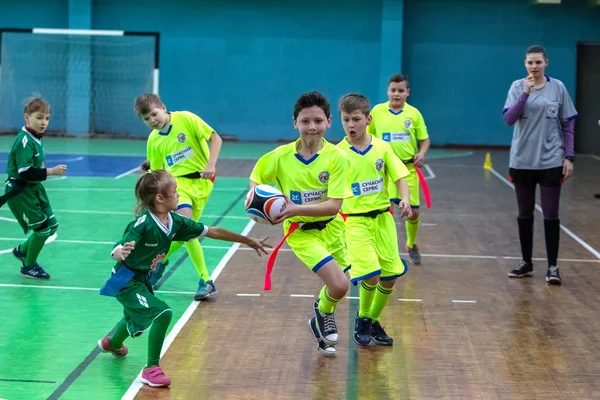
(373, 248)
(316, 248)
(32, 210)
(140, 306)
(413, 184)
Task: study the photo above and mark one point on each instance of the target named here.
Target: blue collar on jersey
(306, 162)
(362, 153)
(167, 132)
(395, 113)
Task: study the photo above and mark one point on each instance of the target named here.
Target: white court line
(248, 294)
(430, 172)
(560, 259)
(422, 224)
(216, 247)
(564, 228)
(8, 219)
(411, 300)
(57, 160)
(137, 383)
(97, 189)
(595, 157)
(124, 213)
(4, 239)
(6, 251)
(55, 178)
(86, 289)
(298, 295)
(464, 301)
(131, 171)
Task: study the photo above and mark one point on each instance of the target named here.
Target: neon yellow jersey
(372, 171)
(305, 182)
(401, 130)
(183, 147)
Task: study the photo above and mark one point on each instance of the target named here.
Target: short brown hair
(312, 99)
(145, 102)
(399, 78)
(36, 103)
(536, 49)
(354, 101)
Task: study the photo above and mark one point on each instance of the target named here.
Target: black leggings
(550, 198)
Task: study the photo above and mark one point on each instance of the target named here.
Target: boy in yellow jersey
(178, 143)
(401, 125)
(313, 174)
(371, 236)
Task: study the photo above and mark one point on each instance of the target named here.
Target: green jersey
(153, 239)
(26, 152)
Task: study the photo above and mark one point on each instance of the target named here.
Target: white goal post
(89, 76)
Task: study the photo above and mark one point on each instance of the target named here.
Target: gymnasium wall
(463, 55)
(241, 64)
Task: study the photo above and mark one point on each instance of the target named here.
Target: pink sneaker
(105, 346)
(155, 377)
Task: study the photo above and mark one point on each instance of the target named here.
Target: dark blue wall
(463, 55)
(241, 64)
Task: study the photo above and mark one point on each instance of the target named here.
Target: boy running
(371, 236)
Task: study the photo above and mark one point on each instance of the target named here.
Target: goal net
(89, 77)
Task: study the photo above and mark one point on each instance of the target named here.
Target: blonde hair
(36, 103)
(354, 101)
(148, 186)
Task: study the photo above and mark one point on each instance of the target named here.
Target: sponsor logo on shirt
(140, 220)
(324, 177)
(151, 244)
(367, 187)
(313, 196)
(179, 156)
(396, 136)
(379, 164)
(156, 260)
(181, 138)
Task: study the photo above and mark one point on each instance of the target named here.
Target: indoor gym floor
(462, 329)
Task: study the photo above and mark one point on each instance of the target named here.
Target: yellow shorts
(373, 248)
(316, 248)
(194, 194)
(414, 186)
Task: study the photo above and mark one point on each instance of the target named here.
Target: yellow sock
(197, 256)
(366, 294)
(327, 304)
(174, 247)
(382, 295)
(412, 229)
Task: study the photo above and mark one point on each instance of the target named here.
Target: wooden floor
(462, 328)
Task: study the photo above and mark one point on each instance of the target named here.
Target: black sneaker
(524, 269)
(326, 326)
(552, 276)
(362, 331)
(18, 255)
(35, 272)
(379, 336)
(323, 348)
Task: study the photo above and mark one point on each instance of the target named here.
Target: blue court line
(89, 165)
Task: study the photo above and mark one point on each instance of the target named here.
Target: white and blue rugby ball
(264, 204)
